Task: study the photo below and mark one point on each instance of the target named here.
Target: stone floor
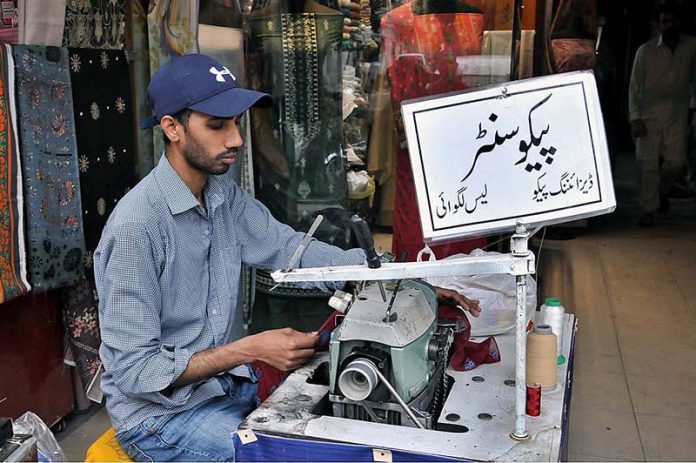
(633, 292)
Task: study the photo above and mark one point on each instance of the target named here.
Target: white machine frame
(520, 262)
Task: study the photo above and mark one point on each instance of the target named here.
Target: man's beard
(197, 158)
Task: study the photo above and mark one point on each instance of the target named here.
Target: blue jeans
(203, 433)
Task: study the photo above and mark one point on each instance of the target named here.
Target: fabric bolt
(172, 27)
(55, 239)
(420, 55)
(41, 22)
(9, 21)
(95, 24)
(295, 57)
(13, 265)
(183, 299)
(139, 45)
(104, 129)
(203, 433)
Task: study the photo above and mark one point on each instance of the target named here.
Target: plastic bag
(496, 294)
(48, 448)
(360, 185)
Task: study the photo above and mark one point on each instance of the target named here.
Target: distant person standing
(663, 74)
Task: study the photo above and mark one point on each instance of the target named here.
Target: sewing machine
(388, 359)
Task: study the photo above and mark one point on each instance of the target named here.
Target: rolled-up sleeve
(126, 272)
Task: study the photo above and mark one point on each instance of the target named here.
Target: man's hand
(449, 296)
(285, 348)
(638, 128)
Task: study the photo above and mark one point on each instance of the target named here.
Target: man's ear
(170, 128)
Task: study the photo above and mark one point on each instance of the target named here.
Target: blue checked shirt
(167, 273)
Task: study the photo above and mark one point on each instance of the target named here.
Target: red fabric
(464, 354)
(420, 54)
(269, 379)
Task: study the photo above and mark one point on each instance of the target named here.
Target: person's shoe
(664, 203)
(646, 220)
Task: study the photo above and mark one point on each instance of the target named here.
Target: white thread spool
(553, 314)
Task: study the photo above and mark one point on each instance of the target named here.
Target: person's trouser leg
(203, 433)
(673, 151)
(669, 173)
(691, 155)
(647, 154)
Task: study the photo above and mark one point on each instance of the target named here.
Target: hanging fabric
(104, 128)
(55, 239)
(382, 147)
(41, 22)
(95, 24)
(172, 27)
(138, 45)
(296, 57)
(13, 266)
(81, 322)
(571, 46)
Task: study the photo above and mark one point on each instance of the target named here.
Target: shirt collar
(177, 194)
(660, 41)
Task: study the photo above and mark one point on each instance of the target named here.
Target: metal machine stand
(520, 262)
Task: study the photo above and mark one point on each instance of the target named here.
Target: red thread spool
(534, 399)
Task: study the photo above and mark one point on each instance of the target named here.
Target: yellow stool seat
(106, 448)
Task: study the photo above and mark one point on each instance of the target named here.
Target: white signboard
(533, 150)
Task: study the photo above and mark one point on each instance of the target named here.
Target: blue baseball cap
(200, 83)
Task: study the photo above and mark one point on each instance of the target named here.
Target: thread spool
(553, 314)
(533, 405)
(541, 357)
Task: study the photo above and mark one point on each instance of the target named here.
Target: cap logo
(219, 74)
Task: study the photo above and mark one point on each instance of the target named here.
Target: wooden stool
(107, 448)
